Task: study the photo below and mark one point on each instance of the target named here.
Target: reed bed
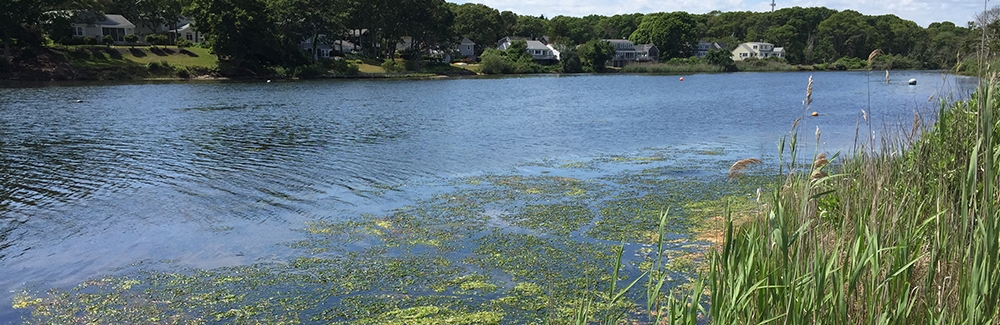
(905, 232)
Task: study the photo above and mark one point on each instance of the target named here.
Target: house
(467, 48)
(758, 50)
(538, 50)
(187, 32)
(647, 53)
(326, 48)
(703, 47)
(627, 52)
(115, 26)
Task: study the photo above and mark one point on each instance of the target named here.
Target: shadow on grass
(189, 53)
(113, 53)
(161, 51)
(137, 52)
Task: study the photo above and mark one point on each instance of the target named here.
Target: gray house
(627, 52)
(467, 48)
(115, 26)
(703, 47)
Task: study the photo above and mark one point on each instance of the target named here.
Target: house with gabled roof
(538, 50)
(112, 25)
(757, 50)
(627, 52)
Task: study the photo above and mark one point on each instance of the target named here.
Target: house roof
(644, 47)
(619, 41)
(467, 41)
(536, 45)
(117, 21)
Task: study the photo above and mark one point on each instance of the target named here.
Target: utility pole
(772, 5)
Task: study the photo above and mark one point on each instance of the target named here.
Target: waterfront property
(98, 26)
(627, 52)
(703, 47)
(538, 50)
(467, 48)
(187, 32)
(758, 50)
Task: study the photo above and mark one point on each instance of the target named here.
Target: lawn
(101, 56)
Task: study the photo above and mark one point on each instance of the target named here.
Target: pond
(109, 181)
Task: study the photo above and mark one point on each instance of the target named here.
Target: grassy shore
(905, 232)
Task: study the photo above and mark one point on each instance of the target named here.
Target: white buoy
(913, 82)
(268, 80)
(79, 100)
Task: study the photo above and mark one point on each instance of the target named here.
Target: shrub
(182, 43)
(132, 39)
(495, 62)
(183, 72)
(89, 40)
(159, 67)
(343, 67)
(307, 71)
(391, 65)
(157, 39)
(107, 40)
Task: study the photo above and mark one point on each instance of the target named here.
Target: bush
(89, 40)
(183, 72)
(108, 40)
(132, 39)
(343, 67)
(391, 65)
(159, 67)
(308, 71)
(182, 43)
(71, 40)
(495, 62)
(847, 63)
(157, 39)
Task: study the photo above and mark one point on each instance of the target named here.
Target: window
(189, 37)
(755, 47)
(118, 34)
(78, 31)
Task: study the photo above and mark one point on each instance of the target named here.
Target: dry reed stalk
(865, 115)
(873, 55)
(796, 123)
(809, 93)
(886, 77)
(739, 166)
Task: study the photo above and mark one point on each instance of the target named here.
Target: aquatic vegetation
(495, 249)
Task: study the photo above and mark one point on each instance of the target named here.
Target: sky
(923, 12)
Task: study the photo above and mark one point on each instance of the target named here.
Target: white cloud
(923, 12)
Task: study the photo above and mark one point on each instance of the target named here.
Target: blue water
(210, 174)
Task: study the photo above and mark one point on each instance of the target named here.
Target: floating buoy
(682, 78)
(815, 114)
(268, 80)
(79, 100)
(913, 82)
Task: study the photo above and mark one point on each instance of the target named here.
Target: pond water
(96, 179)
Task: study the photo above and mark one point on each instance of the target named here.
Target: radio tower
(772, 5)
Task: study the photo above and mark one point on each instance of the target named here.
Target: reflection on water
(212, 174)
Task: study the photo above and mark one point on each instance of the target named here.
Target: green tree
(570, 61)
(595, 54)
(674, 34)
(479, 23)
(107, 40)
(618, 26)
(239, 32)
(494, 61)
(517, 50)
(721, 58)
(529, 26)
(298, 20)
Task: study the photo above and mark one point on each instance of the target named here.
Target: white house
(187, 32)
(537, 49)
(758, 50)
(114, 25)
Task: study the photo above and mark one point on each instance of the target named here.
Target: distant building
(627, 52)
(187, 32)
(467, 48)
(758, 50)
(537, 49)
(99, 26)
(703, 47)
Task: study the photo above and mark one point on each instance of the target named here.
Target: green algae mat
(524, 247)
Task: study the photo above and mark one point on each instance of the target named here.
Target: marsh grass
(905, 232)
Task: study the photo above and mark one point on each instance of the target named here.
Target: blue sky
(923, 12)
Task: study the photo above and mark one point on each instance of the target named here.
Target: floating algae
(519, 248)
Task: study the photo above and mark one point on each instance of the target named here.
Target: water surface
(96, 178)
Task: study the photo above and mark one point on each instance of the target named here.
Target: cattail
(873, 55)
(809, 91)
(739, 166)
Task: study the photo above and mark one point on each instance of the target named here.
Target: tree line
(259, 34)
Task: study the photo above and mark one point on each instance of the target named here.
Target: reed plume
(820, 161)
(809, 92)
(872, 56)
(886, 77)
(739, 166)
